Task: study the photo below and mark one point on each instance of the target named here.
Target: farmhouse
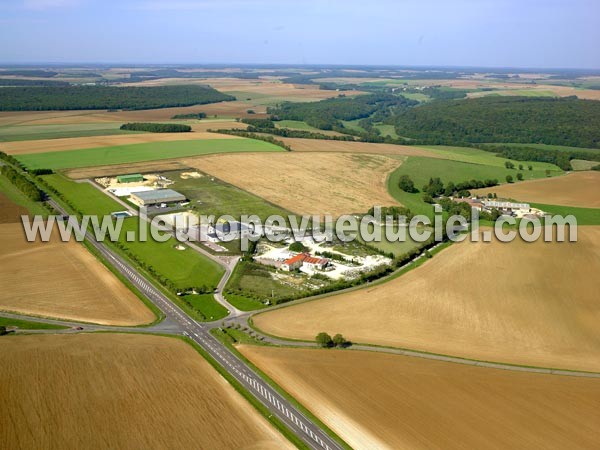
(146, 198)
(306, 260)
(132, 178)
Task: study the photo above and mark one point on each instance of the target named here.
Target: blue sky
(494, 33)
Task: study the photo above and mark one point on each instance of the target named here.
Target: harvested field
(58, 145)
(575, 189)
(522, 303)
(122, 392)
(307, 183)
(63, 280)
(10, 212)
(387, 401)
(322, 146)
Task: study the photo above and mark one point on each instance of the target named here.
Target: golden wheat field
(307, 183)
(122, 392)
(76, 143)
(523, 303)
(63, 280)
(384, 401)
(575, 189)
(324, 146)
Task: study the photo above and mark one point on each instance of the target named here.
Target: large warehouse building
(147, 198)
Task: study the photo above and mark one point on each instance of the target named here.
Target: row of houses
(504, 207)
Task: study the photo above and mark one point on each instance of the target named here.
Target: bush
(509, 179)
(520, 176)
(297, 247)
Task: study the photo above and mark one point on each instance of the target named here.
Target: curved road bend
(312, 435)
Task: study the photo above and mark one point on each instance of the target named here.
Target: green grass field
(353, 125)
(207, 306)
(244, 303)
(36, 132)
(421, 169)
(476, 156)
(184, 268)
(209, 195)
(387, 130)
(28, 325)
(582, 164)
(295, 125)
(122, 154)
(585, 216)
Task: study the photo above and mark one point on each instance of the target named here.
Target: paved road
(303, 427)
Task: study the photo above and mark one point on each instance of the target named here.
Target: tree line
(46, 98)
(251, 135)
(156, 127)
(197, 116)
(22, 183)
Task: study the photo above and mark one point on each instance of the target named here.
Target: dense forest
(24, 82)
(156, 127)
(554, 121)
(38, 73)
(328, 114)
(105, 97)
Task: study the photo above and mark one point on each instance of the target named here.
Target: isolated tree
(2, 330)
(339, 340)
(509, 178)
(520, 166)
(530, 167)
(324, 340)
(509, 165)
(520, 176)
(406, 184)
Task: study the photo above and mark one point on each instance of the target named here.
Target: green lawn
(416, 96)
(35, 132)
(209, 195)
(244, 303)
(421, 169)
(206, 305)
(16, 196)
(27, 325)
(122, 154)
(185, 268)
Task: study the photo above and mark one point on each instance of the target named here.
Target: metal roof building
(145, 198)
(132, 178)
